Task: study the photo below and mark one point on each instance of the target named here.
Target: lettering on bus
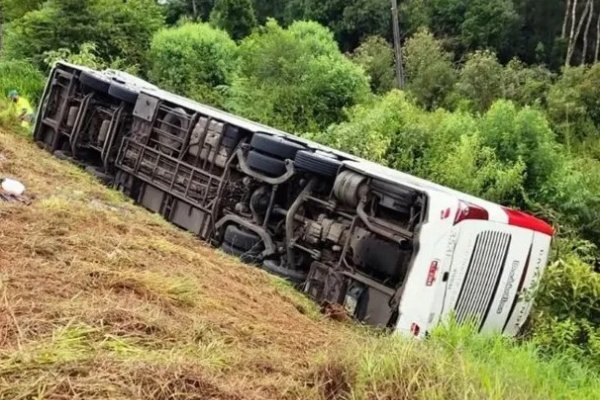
(507, 288)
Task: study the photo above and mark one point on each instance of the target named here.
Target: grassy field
(99, 299)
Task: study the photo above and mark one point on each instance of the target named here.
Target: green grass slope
(99, 299)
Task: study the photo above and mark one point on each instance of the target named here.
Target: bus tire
(93, 82)
(292, 275)
(176, 116)
(123, 93)
(240, 239)
(265, 164)
(232, 250)
(317, 163)
(275, 146)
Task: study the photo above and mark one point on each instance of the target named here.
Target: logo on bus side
(509, 285)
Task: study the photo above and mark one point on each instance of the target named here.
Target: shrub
(21, 76)
(567, 318)
(295, 78)
(480, 80)
(376, 56)
(118, 29)
(234, 16)
(522, 135)
(193, 60)
(429, 70)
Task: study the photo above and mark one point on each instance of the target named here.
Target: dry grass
(100, 299)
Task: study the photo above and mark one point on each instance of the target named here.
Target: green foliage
(454, 363)
(266, 9)
(14, 9)
(572, 193)
(376, 57)
(372, 129)
(350, 21)
(197, 10)
(440, 146)
(489, 24)
(194, 60)
(526, 85)
(567, 319)
(459, 150)
(234, 16)
(295, 78)
(88, 56)
(429, 69)
(571, 104)
(22, 77)
(480, 80)
(522, 135)
(119, 29)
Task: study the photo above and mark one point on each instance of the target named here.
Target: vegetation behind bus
(523, 135)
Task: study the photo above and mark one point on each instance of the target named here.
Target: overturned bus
(394, 250)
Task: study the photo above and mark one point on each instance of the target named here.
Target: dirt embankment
(101, 299)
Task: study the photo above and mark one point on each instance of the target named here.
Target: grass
(101, 299)
(20, 76)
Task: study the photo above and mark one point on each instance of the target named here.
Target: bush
(526, 85)
(194, 60)
(523, 135)
(376, 56)
(234, 16)
(295, 78)
(429, 70)
(567, 318)
(373, 129)
(22, 77)
(441, 146)
(480, 80)
(118, 29)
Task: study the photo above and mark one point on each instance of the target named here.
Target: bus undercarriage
(272, 199)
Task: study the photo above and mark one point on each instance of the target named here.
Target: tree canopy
(295, 78)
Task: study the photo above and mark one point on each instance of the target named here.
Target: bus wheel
(320, 164)
(292, 275)
(275, 146)
(268, 165)
(240, 239)
(123, 93)
(93, 82)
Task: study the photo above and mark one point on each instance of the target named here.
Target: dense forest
(501, 99)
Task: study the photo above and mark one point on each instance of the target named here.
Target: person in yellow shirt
(20, 107)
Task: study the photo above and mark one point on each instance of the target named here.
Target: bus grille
(482, 277)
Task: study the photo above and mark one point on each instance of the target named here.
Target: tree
(118, 29)
(429, 69)
(196, 10)
(349, 20)
(295, 78)
(480, 80)
(468, 25)
(14, 9)
(523, 135)
(234, 16)
(526, 85)
(567, 109)
(266, 9)
(193, 60)
(362, 18)
(490, 25)
(376, 57)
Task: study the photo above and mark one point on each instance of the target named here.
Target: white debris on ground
(12, 190)
(13, 187)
